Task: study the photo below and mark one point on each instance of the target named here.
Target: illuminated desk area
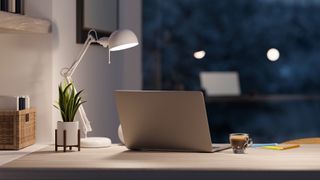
(117, 162)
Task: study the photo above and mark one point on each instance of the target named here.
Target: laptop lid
(164, 120)
(220, 83)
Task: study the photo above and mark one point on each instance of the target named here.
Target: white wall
(131, 18)
(94, 74)
(30, 64)
(25, 68)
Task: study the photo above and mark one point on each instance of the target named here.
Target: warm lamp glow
(122, 39)
(124, 46)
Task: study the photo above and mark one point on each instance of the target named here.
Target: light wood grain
(305, 158)
(15, 23)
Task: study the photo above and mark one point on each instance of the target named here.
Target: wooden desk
(117, 162)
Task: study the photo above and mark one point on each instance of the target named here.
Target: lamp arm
(68, 72)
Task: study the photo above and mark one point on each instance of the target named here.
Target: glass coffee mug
(239, 142)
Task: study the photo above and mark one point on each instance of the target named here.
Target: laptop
(220, 83)
(165, 121)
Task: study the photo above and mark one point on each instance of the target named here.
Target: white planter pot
(71, 133)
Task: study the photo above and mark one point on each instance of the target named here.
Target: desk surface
(305, 158)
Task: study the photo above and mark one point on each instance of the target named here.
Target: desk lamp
(118, 40)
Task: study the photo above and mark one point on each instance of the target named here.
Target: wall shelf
(16, 23)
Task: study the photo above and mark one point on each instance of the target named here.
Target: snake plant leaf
(69, 102)
(77, 107)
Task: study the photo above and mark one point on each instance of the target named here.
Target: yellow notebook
(282, 146)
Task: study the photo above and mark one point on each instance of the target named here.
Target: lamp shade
(122, 39)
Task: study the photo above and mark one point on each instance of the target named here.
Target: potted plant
(68, 105)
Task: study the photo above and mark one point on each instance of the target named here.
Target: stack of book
(13, 6)
(16, 103)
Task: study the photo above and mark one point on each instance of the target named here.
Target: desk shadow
(12, 153)
(142, 155)
(53, 152)
(129, 155)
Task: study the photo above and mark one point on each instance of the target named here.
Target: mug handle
(248, 143)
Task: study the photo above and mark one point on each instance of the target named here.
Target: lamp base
(95, 142)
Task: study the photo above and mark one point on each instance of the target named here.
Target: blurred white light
(273, 54)
(199, 54)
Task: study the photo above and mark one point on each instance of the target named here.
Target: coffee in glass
(239, 142)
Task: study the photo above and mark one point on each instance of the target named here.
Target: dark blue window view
(280, 96)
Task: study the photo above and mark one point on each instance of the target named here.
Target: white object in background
(273, 54)
(95, 142)
(71, 133)
(220, 83)
(118, 40)
(10, 103)
(27, 102)
(199, 54)
(120, 134)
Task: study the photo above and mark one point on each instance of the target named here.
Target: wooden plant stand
(65, 141)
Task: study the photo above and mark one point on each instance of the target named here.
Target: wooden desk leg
(64, 140)
(78, 139)
(56, 140)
